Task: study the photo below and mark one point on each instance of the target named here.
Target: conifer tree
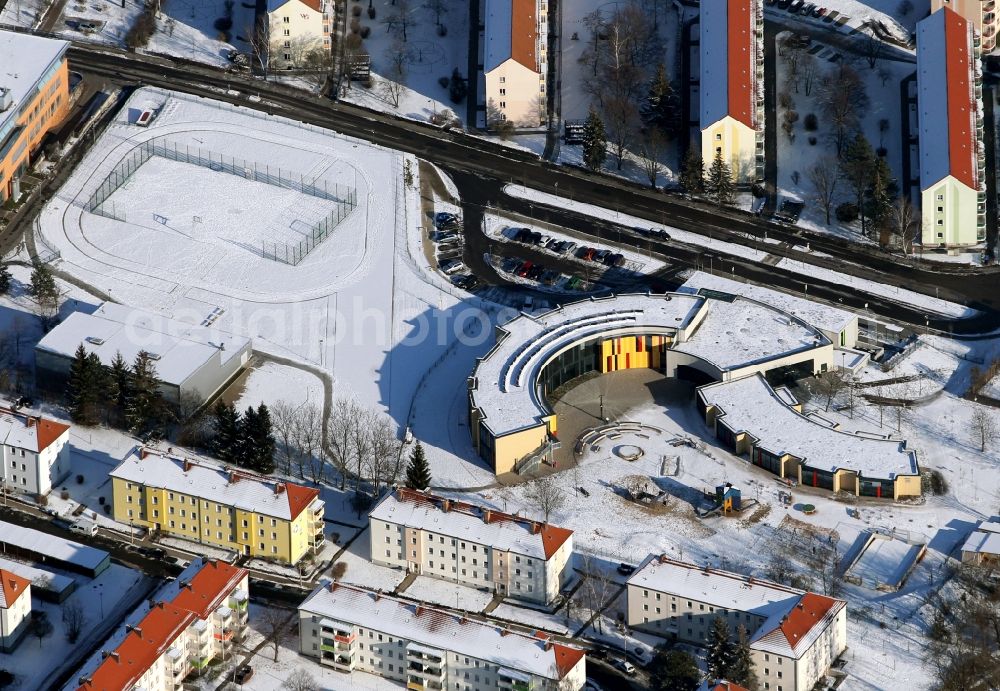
(119, 378)
(673, 670)
(719, 183)
(595, 141)
(225, 443)
(145, 409)
(83, 388)
(5, 278)
(692, 177)
(741, 670)
(256, 441)
(659, 108)
(43, 285)
(720, 650)
(418, 472)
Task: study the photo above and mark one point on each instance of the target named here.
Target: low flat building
(731, 89)
(45, 585)
(193, 363)
(176, 634)
(751, 418)
(15, 609)
(34, 99)
(515, 61)
(950, 124)
(299, 32)
(469, 544)
(52, 551)
(235, 509)
(35, 452)
(352, 629)
(794, 635)
(983, 545)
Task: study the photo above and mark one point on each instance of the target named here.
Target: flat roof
(511, 33)
(465, 521)
(741, 332)
(985, 539)
(180, 349)
(227, 486)
(945, 99)
(51, 546)
(24, 61)
(749, 404)
(505, 376)
(825, 317)
(443, 630)
(53, 582)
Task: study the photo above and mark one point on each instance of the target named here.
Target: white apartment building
(15, 609)
(516, 61)
(35, 452)
(297, 29)
(794, 635)
(352, 629)
(185, 626)
(470, 544)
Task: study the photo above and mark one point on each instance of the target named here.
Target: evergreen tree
(660, 107)
(225, 443)
(119, 378)
(720, 650)
(692, 176)
(83, 388)
(145, 410)
(458, 87)
(719, 183)
(858, 166)
(741, 670)
(418, 472)
(5, 278)
(246, 432)
(255, 442)
(595, 141)
(879, 196)
(43, 285)
(673, 670)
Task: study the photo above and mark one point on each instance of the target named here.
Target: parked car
(567, 246)
(623, 665)
(522, 234)
(583, 491)
(599, 255)
(796, 6)
(524, 269)
(153, 552)
(626, 569)
(807, 9)
(84, 527)
(443, 218)
(509, 264)
(243, 674)
(543, 240)
(818, 12)
(586, 253)
(536, 272)
(553, 244)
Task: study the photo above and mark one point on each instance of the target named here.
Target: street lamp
(131, 532)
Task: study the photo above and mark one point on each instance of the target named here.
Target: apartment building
(794, 635)
(981, 13)
(15, 609)
(950, 124)
(469, 544)
(185, 626)
(731, 89)
(516, 61)
(35, 453)
(299, 31)
(225, 507)
(352, 629)
(34, 99)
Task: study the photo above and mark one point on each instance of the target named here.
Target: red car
(588, 253)
(525, 268)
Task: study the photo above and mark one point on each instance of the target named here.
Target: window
(503, 92)
(287, 33)
(503, 104)
(718, 137)
(940, 197)
(284, 20)
(503, 80)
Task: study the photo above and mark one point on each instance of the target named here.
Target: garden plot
(883, 562)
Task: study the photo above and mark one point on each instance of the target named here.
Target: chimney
(548, 645)
(142, 453)
(378, 594)
(114, 656)
(419, 610)
(504, 631)
(446, 505)
(487, 515)
(104, 654)
(187, 465)
(138, 632)
(664, 559)
(84, 680)
(234, 477)
(279, 488)
(536, 527)
(332, 586)
(31, 422)
(170, 449)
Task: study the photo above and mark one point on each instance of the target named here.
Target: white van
(84, 527)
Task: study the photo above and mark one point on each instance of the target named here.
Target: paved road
(494, 165)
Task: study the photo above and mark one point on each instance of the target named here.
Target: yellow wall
(44, 112)
(516, 92)
(286, 541)
(738, 143)
(512, 448)
(955, 223)
(907, 486)
(631, 352)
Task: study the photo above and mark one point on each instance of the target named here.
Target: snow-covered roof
(465, 521)
(29, 432)
(504, 389)
(824, 317)
(946, 99)
(728, 60)
(179, 349)
(749, 404)
(740, 332)
(793, 618)
(314, 5)
(53, 582)
(227, 486)
(26, 62)
(511, 33)
(57, 548)
(443, 631)
(985, 539)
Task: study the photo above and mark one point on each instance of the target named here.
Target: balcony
(510, 680)
(224, 635)
(420, 684)
(426, 671)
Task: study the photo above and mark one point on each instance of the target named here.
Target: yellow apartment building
(34, 98)
(253, 515)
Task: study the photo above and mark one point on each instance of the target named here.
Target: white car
(453, 268)
(624, 666)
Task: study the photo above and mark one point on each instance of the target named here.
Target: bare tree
(40, 625)
(808, 68)
(385, 453)
(361, 442)
(309, 441)
(340, 433)
(300, 680)
(845, 101)
(393, 82)
(438, 8)
(984, 426)
(873, 47)
(258, 37)
(283, 423)
(73, 620)
(635, 485)
(825, 565)
(779, 568)
(274, 628)
(823, 177)
(828, 385)
(596, 589)
(401, 20)
(621, 118)
(318, 64)
(905, 223)
(651, 151)
(545, 496)
(791, 54)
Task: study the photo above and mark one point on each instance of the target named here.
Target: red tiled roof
(566, 658)
(553, 538)
(12, 587)
(299, 497)
(524, 33)
(961, 107)
(808, 612)
(723, 685)
(209, 587)
(48, 431)
(741, 61)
